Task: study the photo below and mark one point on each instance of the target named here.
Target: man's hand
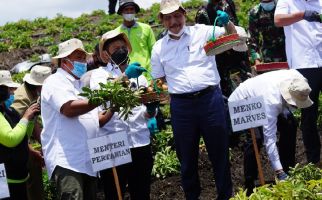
(37, 156)
(222, 18)
(312, 16)
(134, 70)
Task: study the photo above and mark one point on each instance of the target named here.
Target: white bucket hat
(5, 79)
(169, 6)
(37, 75)
(107, 36)
(296, 92)
(68, 47)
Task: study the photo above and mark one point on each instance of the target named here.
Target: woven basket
(266, 67)
(222, 44)
(153, 97)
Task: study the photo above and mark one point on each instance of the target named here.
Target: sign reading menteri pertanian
(109, 151)
(4, 190)
(247, 113)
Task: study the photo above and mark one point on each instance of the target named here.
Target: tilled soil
(170, 187)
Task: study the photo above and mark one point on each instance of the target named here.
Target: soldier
(267, 43)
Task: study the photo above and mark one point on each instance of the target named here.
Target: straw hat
(37, 75)
(107, 36)
(5, 79)
(124, 3)
(169, 6)
(296, 92)
(68, 47)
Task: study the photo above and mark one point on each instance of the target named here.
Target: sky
(14, 10)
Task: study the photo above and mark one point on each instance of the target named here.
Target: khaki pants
(72, 185)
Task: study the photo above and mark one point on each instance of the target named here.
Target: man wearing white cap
(24, 96)
(68, 122)
(302, 22)
(197, 107)
(284, 89)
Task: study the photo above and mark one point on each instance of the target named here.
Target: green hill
(27, 39)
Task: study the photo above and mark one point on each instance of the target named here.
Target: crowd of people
(200, 87)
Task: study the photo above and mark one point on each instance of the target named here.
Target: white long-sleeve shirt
(267, 86)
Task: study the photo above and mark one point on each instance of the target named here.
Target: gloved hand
(134, 70)
(222, 18)
(151, 107)
(152, 126)
(312, 16)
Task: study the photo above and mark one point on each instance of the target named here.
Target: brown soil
(170, 187)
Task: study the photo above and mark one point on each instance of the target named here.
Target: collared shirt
(267, 86)
(64, 139)
(136, 124)
(183, 62)
(303, 38)
(142, 40)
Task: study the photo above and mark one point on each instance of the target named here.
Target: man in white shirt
(68, 122)
(197, 107)
(137, 174)
(281, 90)
(303, 31)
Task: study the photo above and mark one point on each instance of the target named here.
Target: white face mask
(128, 17)
(177, 34)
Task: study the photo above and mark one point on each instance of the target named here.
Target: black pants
(137, 175)
(309, 116)
(111, 6)
(192, 118)
(18, 191)
(287, 127)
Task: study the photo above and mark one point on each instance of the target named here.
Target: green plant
(49, 187)
(19, 77)
(165, 163)
(162, 139)
(35, 58)
(115, 95)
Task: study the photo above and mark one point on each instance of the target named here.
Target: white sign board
(247, 113)
(4, 190)
(109, 151)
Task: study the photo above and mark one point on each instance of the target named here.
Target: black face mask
(4, 93)
(120, 56)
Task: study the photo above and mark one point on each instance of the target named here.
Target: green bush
(49, 187)
(165, 163)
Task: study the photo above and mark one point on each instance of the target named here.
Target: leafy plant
(115, 95)
(49, 187)
(166, 163)
(19, 77)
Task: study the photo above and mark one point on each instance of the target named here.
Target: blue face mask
(79, 68)
(269, 6)
(9, 101)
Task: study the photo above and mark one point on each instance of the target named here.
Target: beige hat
(68, 47)
(169, 6)
(37, 75)
(107, 36)
(5, 79)
(296, 92)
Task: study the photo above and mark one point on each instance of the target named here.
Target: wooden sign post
(110, 151)
(248, 114)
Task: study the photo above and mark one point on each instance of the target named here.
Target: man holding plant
(197, 107)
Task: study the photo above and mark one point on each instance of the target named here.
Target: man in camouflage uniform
(267, 44)
(230, 70)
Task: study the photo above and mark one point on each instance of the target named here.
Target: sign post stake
(259, 165)
(117, 183)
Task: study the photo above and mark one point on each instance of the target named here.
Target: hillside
(28, 39)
